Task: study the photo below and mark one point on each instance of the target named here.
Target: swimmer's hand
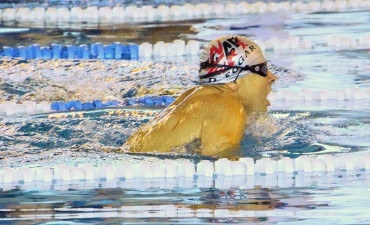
(233, 155)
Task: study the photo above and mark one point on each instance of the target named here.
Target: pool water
(329, 127)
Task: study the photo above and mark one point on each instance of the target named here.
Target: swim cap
(230, 57)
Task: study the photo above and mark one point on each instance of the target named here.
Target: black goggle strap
(260, 69)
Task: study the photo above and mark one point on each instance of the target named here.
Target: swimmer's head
(229, 58)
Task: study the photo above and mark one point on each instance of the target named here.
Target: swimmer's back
(185, 119)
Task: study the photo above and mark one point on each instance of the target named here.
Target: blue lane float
(150, 101)
(78, 105)
(146, 101)
(59, 51)
(9, 108)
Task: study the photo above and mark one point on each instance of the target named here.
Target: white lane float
(347, 94)
(9, 108)
(160, 49)
(338, 41)
(133, 13)
(226, 173)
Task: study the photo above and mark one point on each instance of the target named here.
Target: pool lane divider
(99, 51)
(345, 94)
(59, 51)
(104, 14)
(326, 165)
(160, 49)
(9, 108)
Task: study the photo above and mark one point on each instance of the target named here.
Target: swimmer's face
(253, 90)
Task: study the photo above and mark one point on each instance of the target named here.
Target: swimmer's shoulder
(212, 98)
(220, 101)
(203, 93)
(195, 93)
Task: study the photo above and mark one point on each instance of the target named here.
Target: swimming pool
(311, 118)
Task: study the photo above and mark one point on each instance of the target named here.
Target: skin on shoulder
(215, 115)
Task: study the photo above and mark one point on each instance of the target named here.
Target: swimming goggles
(260, 69)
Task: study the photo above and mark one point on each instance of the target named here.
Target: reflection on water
(155, 201)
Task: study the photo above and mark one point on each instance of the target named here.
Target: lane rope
(94, 15)
(299, 97)
(246, 172)
(160, 49)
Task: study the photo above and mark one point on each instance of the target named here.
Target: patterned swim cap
(230, 57)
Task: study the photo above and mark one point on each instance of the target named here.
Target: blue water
(92, 136)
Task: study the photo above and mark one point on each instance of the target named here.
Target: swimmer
(210, 119)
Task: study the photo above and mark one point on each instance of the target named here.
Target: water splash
(286, 76)
(279, 134)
